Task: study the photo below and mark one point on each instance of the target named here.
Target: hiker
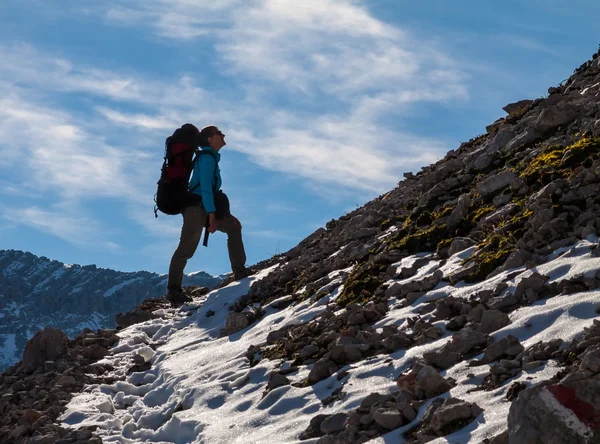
(206, 204)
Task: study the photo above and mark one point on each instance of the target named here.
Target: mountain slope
(37, 292)
(459, 307)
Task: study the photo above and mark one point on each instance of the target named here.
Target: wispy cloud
(318, 79)
(280, 207)
(526, 42)
(57, 154)
(179, 19)
(344, 153)
(75, 230)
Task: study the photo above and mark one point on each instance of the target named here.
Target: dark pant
(194, 219)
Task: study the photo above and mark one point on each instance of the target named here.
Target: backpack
(171, 194)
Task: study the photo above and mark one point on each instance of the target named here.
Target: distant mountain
(36, 292)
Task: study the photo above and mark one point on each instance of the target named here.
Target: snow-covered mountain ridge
(36, 292)
(460, 307)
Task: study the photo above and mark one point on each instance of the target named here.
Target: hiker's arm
(205, 170)
(212, 222)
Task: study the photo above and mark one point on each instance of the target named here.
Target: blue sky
(324, 103)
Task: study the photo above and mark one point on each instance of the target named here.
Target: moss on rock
(361, 284)
(557, 161)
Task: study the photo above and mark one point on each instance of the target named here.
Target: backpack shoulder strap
(198, 154)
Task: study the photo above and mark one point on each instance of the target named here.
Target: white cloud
(76, 230)
(339, 71)
(280, 207)
(179, 19)
(56, 154)
(343, 153)
(139, 120)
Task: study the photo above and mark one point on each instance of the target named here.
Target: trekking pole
(206, 233)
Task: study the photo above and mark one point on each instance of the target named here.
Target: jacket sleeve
(204, 174)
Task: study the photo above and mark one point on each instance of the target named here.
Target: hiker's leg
(235, 245)
(194, 219)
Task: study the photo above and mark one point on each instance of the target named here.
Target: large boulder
(567, 412)
(47, 345)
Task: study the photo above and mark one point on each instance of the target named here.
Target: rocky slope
(427, 282)
(36, 292)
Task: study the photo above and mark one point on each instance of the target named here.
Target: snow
(585, 90)
(94, 321)
(111, 291)
(14, 308)
(54, 276)
(201, 389)
(13, 268)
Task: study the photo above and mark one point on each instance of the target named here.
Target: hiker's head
(213, 137)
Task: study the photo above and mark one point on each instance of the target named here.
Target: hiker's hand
(212, 223)
(236, 222)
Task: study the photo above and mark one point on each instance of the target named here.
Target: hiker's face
(217, 140)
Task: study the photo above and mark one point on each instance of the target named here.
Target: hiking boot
(242, 274)
(178, 295)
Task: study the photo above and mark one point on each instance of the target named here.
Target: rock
(506, 300)
(308, 351)
(373, 398)
(30, 416)
(430, 383)
(48, 438)
(389, 419)
(314, 428)
(556, 413)
(495, 183)
(456, 323)
(46, 345)
(395, 342)
(459, 213)
(338, 354)
(460, 244)
(516, 106)
(132, 317)
(236, 322)
(591, 360)
(499, 348)
(407, 410)
(453, 415)
(492, 320)
(407, 381)
(357, 318)
(66, 381)
(555, 116)
(352, 353)
(502, 438)
(277, 380)
(527, 136)
(532, 365)
(95, 352)
(516, 259)
(534, 282)
(466, 340)
(334, 423)
(442, 359)
(322, 369)
(276, 335)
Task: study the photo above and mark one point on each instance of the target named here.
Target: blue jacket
(206, 177)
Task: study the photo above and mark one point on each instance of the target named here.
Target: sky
(324, 104)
